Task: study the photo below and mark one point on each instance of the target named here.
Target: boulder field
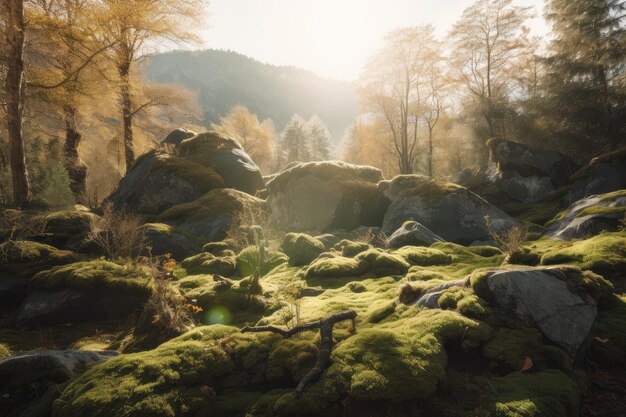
(459, 299)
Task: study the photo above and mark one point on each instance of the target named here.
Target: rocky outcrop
(590, 216)
(602, 175)
(226, 157)
(176, 136)
(322, 196)
(528, 174)
(30, 382)
(163, 239)
(412, 233)
(158, 181)
(217, 214)
(542, 298)
(84, 291)
(450, 211)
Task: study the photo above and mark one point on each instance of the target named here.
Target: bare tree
(486, 41)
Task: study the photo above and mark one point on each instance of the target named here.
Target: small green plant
(290, 297)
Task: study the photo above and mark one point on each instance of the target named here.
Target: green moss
(216, 248)
(215, 203)
(381, 313)
(4, 351)
(96, 275)
(350, 249)
(601, 210)
(400, 362)
(536, 213)
(546, 393)
(604, 253)
(25, 258)
(418, 255)
(68, 223)
(301, 248)
(609, 343)
(558, 217)
(382, 263)
(248, 261)
(614, 195)
(336, 267)
(425, 275)
(465, 260)
(429, 189)
(205, 263)
(200, 176)
(508, 348)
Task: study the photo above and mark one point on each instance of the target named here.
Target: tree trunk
(127, 114)
(76, 169)
(15, 101)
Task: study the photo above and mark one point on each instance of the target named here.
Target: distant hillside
(224, 79)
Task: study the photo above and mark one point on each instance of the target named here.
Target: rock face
(227, 158)
(529, 174)
(158, 181)
(450, 211)
(602, 175)
(164, 239)
(590, 216)
(541, 298)
(176, 136)
(216, 214)
(324, 196)
(412, 233)
(30, 382)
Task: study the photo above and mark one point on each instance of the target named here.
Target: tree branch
(326, 342)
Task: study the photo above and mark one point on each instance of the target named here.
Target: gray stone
(538, 297)
(412, 234)
(30, 382)
(176, 136)
(158, 181)
(430, 299)
(598, 178)
(576, 226)
(325, 196)
(531, 189)
(163, 239)
(450, 211)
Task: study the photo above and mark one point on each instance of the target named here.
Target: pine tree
(585, 84)
(295, 140)
(319, 139)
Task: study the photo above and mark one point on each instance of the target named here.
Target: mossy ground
(460, 359)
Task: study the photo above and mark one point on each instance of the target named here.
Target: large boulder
(412, 233)
(590, 216)
(226, 157)
(217, 214)
(165, 239)
(322, 196)
(560, 302)
(19, 262)
(176, 136)
(84, 291)
(30, 382)
(450, 211)
(528, 174)
(158, 181)
(68, 229)
(602, 175)
(301, 248)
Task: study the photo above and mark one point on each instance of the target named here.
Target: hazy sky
(330, 37)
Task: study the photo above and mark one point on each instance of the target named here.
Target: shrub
(119, 234)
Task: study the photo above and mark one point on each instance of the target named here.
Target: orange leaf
(528, 363)
(602, 339)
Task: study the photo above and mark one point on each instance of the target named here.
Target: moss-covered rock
(335, 267)
(216, 214)
(158, 181)
(301, 248)
(604, 254)
(326, 196)
(4, 351)
(226, 157)
(217, 248)
(450, 211)
(382, 263)
(248, 261)
(419, 255)
(165, 239)
(68, 229)
(350, 249)
(205, 263)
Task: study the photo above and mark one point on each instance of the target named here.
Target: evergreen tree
(585, 83)
(295, 140)
(319, 139)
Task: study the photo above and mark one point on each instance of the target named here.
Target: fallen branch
(326, 341)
